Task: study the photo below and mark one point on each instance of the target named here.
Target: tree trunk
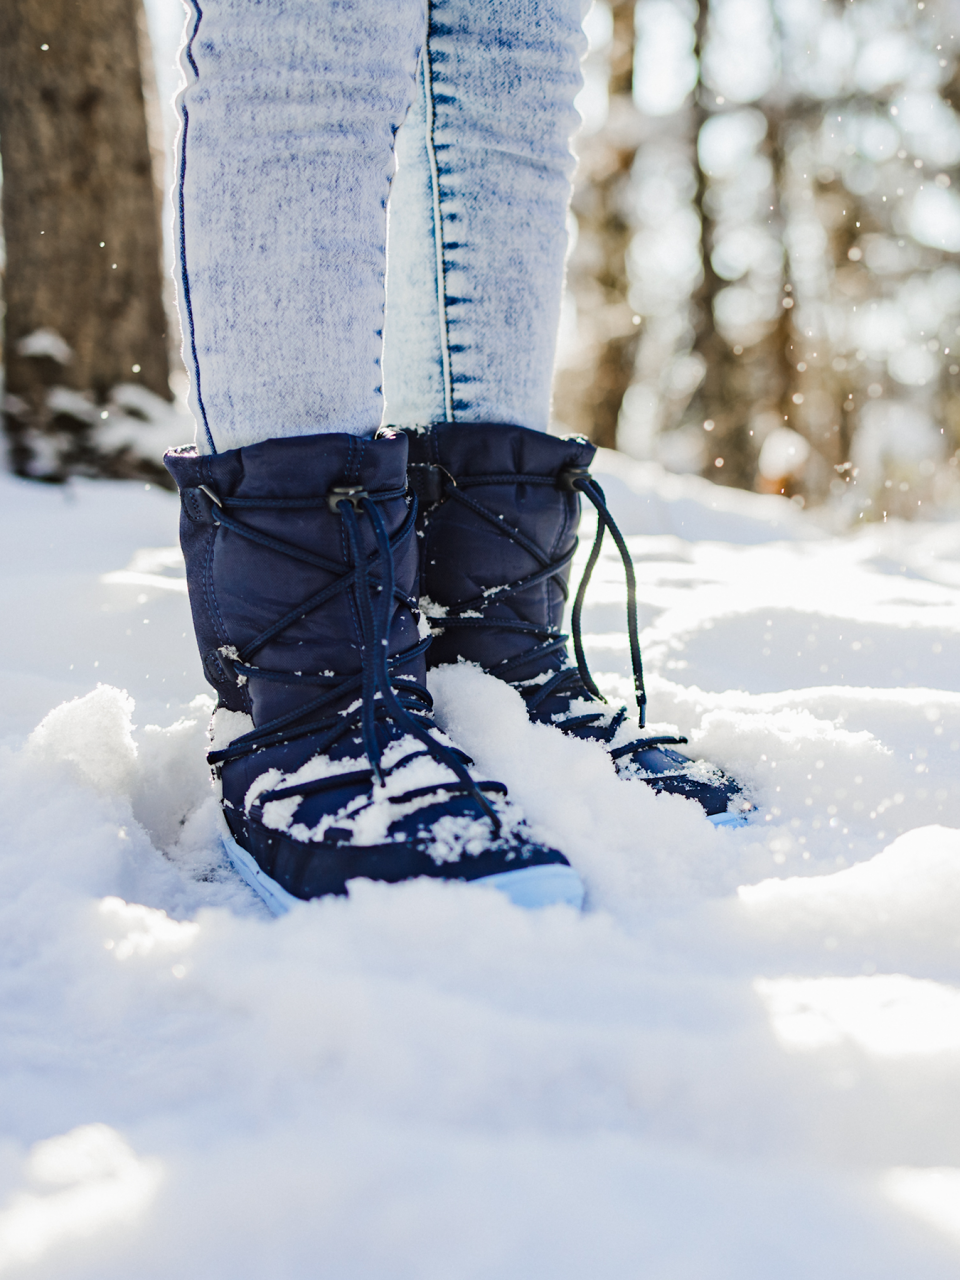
(588, 396)
(724, 398)
(741, 382)
(81, 217)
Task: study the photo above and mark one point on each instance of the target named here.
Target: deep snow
(742, 1061)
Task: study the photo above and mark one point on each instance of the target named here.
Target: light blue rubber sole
(730, 819)
(534, 887)
(247, 867)
(529, 887)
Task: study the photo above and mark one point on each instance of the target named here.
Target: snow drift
(740, 1061)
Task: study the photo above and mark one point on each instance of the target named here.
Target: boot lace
(383, 694)
(570, 681)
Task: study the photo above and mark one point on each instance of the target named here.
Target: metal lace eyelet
(214, 497)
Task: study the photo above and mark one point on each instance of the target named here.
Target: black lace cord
(280, 729)
(334, 780)
(554, 639)
(644, 744)
(583, 483)
(576, 617)
(378, 697)
(591, 490)
(567, 679)
(378, 645)
(343, 580)
(369, 634)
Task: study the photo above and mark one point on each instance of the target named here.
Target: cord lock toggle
(346, 493)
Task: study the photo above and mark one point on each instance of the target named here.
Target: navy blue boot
(302, 572)
(500, 506)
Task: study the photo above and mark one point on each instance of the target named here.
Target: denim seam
(437, 225)
(213, 605)
(184, 275)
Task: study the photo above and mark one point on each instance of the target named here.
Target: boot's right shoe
(303, 579)
(499, 510)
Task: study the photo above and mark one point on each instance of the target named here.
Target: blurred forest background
(764, 280)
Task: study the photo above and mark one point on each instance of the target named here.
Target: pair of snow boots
(326, 575)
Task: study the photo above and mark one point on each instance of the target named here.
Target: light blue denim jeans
(294, 115)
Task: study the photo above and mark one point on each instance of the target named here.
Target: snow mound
(912, 888)
(740, 1061)
(645, 498)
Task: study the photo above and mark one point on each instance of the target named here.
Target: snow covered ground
(741, 1061)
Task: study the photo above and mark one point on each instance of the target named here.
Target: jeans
(294, 116)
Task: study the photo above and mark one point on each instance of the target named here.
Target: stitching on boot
(355, 451)
(193, 506)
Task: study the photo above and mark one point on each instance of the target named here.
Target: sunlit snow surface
(742, 1061)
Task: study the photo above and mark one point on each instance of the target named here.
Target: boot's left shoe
(499, 510)
(302, 573)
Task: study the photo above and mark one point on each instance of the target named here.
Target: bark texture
(589, 393)
(81, 217)
(731, 382)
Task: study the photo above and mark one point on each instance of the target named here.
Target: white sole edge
(529, 887)
(543, 886)
(728, 819)
(247, 867)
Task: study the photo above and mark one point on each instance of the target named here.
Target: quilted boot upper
(500, 507)
(303, 579)
(241, 586)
